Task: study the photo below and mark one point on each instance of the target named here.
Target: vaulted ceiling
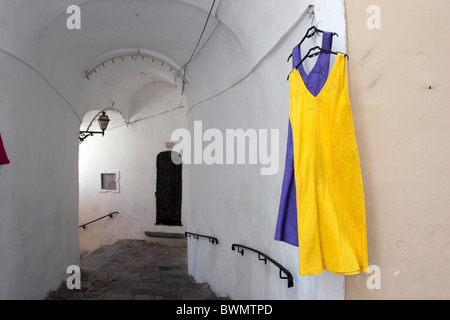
(166, 32)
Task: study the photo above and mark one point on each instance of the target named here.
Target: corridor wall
(39, 188)
(235, 203)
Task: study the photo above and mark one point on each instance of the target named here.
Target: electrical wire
(309, 12)
(201, 35)
(199, 39)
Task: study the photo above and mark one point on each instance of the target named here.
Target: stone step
(166, 238)
(164, 234)
(136, 270)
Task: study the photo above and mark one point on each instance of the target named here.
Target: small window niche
(109, 181)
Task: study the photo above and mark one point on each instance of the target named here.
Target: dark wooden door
(168, 189)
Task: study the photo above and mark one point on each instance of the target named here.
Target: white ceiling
(238, 34)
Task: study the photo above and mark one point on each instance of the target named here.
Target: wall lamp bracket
(103, 121)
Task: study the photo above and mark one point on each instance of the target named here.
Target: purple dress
(3, 157)
(287, 229)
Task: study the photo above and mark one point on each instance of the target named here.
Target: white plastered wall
(39, 188)
(234, 202)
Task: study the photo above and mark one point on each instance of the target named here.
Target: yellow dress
(330, 197)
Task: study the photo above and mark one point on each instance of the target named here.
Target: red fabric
(3, 157)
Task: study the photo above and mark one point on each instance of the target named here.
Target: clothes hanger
(310, 55)
(314, 30)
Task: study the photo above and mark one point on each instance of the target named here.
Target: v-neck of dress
(302, 83)
(315, 64)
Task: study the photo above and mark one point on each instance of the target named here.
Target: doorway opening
(168, 189)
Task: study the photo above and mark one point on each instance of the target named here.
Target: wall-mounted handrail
(107, 215)
(196, 236)
(263, 257)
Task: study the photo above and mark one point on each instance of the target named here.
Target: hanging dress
(3, 157)
(287, 229)
(330, 198)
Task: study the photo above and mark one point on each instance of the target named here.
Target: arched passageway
(236, 79)
(129, 150)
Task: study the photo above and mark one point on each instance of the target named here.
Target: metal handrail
(264, 258)
(108, 215)
(196, 235)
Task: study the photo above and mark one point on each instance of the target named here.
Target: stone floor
(136, 270)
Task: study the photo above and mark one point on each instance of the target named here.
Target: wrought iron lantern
(103, 121)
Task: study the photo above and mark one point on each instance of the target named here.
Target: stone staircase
(136, 270)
